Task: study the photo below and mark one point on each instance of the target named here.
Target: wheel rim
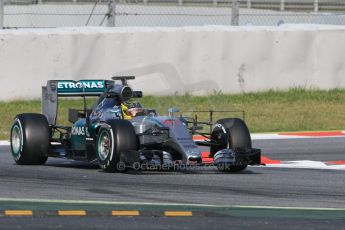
(104, 145)
(16, 139)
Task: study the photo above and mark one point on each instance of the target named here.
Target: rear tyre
(113, 138)
(29, 139)
(230, 133)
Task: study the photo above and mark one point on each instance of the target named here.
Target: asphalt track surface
(231, 197)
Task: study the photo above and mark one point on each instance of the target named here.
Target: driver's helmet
(135, 104)
(130, 109)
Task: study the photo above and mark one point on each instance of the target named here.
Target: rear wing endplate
(68, 88)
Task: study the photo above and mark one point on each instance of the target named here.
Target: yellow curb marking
(72, 213)
(125, 213)
(177, 213)
(18, 212)
(83, 213)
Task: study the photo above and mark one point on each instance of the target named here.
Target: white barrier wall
(169, 60)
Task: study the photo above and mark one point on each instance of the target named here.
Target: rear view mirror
(137, 94)
(173, 110)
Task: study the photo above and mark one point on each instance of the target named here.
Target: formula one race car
(110, 133)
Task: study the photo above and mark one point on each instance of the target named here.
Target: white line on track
(306, 164)
(99, 202)
(290, 208)
(162, 204)
(4, 143)
(275, 136)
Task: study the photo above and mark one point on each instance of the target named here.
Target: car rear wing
(68, 88)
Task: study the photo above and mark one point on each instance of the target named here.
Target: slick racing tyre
(29, 139)
(230, 133)
(113, 138)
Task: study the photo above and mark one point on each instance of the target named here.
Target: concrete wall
(169, 60)
(72, 15)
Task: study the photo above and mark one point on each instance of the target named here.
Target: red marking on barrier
(342, 162)
(315, 134)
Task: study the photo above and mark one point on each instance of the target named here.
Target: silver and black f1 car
(103, 133)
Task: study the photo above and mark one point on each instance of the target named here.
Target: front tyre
(115, 137)
(230, 133)
(29, 139)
